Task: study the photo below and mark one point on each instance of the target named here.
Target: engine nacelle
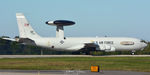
(60, 23)
(106, 48)
(111, 50)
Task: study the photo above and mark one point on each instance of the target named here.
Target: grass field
(141, 64)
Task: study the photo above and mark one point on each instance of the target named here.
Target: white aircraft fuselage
(74, 44)
(29, 36)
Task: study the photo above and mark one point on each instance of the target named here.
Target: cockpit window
(127, 43)
(143, 41)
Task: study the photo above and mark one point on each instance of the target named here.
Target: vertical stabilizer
(25, 29)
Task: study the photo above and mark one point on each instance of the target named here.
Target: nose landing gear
(133, 52)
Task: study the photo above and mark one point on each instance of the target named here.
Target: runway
(43, 56)
(68, 72)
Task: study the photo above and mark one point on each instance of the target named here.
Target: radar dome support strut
(60, 26)
(60, 32)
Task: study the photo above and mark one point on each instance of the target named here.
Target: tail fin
(25, 30)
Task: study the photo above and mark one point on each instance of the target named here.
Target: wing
(91, 45)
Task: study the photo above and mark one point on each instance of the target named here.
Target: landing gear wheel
(133, 52)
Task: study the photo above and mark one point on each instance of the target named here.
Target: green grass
(77, 63)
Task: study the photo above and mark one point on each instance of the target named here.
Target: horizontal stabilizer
(9, 39)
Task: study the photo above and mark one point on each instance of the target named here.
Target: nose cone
(143, 45)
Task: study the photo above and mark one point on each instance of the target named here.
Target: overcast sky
(116, 18)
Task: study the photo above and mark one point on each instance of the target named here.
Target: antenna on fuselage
(60, 26)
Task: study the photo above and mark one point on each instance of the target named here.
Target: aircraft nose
(143, 45)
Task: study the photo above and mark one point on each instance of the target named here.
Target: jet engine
(106, 48)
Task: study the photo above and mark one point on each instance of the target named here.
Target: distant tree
(4, 37)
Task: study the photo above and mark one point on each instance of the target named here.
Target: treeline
(14, 48)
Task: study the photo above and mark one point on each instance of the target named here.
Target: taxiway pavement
(68, 72)
(43, 56)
